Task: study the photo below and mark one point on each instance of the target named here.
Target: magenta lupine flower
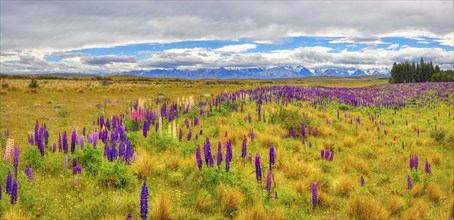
(272, 156)
(258, 169)
(14, 192)
(243, 149)
(268, 181)
(409, 185)
(144, 201)
(314, 194)
(16, 159)
(219, 156)
(362, 181)
(428, 170)
(9, 182)
(198, 158)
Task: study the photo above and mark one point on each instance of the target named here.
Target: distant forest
(420, 72)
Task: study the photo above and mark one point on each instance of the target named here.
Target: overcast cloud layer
(33, 31)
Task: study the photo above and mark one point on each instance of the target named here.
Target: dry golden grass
(395, 205)
(256, 212)
(145, 165)
(324, 200)
(326, 131)
(434, 192)
(417, 190)
(277, 214)
(435, 159)
(343, 185)
(418, 210)
(162, 208)
(202, 203)
(300, 187)
(356, 163)
(231, 198)
(451, 209)
(361, 207)
(348, 142)
(13, 214)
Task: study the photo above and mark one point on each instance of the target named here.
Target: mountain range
(258, 72)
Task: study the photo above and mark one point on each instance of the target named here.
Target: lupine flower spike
(144, 201)
(314, 194)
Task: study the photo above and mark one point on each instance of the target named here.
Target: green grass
(112, 190)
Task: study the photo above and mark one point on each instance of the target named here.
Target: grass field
(373, 143)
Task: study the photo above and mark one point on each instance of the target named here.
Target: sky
(115, 36)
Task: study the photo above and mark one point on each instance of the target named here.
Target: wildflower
(65, 162)
(322, 153)
(219, 156)
(16, 159)
(74, 161)
(409, 185)
(76, 180)
(65, 143)
(228, 156)
(77, 170)
(129, 217)
(14, 191)
(73, 140)
(29, 173)
(198, 158)
(9, 149)
(272, 156)
(268, 181)
(303, 130)
(362, 181)
(144, 201)
(314, 194)
(252, 135)
(428, 170)
(243, 149)
(258, 169)
(9, 180)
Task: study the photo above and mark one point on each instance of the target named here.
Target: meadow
(87, 148)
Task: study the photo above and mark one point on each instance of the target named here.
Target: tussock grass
(361, 207)
(230, 198)
(417, 210)
(434, 192)
(162, 208)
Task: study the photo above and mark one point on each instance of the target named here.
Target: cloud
(108, 59)
(237, 48)
(393, 46)
(69, 25)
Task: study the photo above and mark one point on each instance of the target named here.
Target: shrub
(90, 159)
(366, 208)
(288, 119)
(117, 175)
(438, 135)
(33, 84)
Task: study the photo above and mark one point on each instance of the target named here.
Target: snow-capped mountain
(273, 72)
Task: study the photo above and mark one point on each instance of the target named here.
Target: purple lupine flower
(428, 170)
(252, 135)
(207, 152)
(81, 142)
(189, 134)
(249, 157)
(145, 129)
(272, 156)
(129, 217)
(219, 156)
(303, 130)
(144, 201)
(65, 162)
(416, 161)
(294, 133)
(409, 185)
(29, 172)
(1, 191)
(258, 169)
(128, 152)
(65, 143)
(243, 149)
(180, 134)
(331, 156)
(228, 156)
(77, 170)
(74, 161)
(16, 159)
(362, 181)
(73, 140)
(314, 194)
(316, 132)
(327, 154)
(9, 182)
(14, 192)
(54, 148)
(268, 181)
(198, 158)
(322, 154)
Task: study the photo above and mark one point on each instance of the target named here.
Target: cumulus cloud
(236, 48)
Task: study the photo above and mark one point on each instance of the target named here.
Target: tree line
(406, 72)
